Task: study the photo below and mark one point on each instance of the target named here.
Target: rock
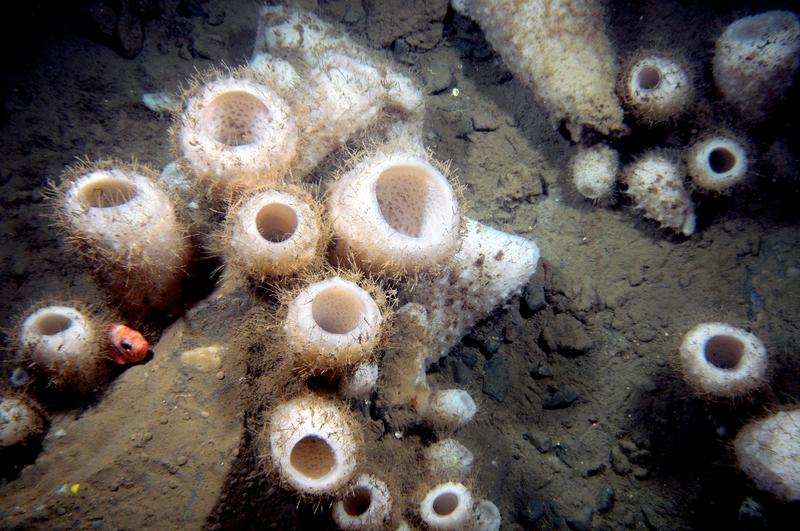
(426, 39)
(496, 379)
(533, 298)
(561, 399)
(640, 472)
(484, 122)
(461, 373)
(594, 469)
(540, 441)
(645, 332)
(204, 359)
(130, 32)
(542, 370)
(751, 516)
(605, 501)
(566, 335)
(490, 346)
(619, 462)
(532, 512)
(210, 46)
(511, 333)
(469, 358)
(438, 78)
(581, 520)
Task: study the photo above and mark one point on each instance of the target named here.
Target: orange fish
(127, 345)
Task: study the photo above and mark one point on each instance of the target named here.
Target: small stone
(628, 446)
(220, 375)
(203, 359)
(566, 335)
(511, 333)
(636, 276)
(561, 399)
(751, 515)
(163, 420)
(205, 414)
(606, 500)
(209, 46)
(438, 78)
(181, 460)
(542, 370)
(490, 346)
(469, 358)
(461, 373)
(540, 441)
(619, 463)
(580, 520)
(645, 333)
(533, 298)
(483, 121)
(215, 17)
(641, 472)
(532, 512)
(496, 379)
(594, 470)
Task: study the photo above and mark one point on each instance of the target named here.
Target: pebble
(645, 333)
(606, 500)
(751, 515)
(204, 359)
(581, 520)
(561, 399)
(438, 78)
(511, 333)
(484, 122)
(220, 375)
(161, 102)
(496, 379)
(566, 335)
(181, 460)
(532, 512)
(490, 346)
(469, 358)
(540, 441)
(594, 470)
(533, 299)
(542, 370)
(619, 463)
(462, 374)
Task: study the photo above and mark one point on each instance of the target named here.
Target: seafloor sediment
(583, 419)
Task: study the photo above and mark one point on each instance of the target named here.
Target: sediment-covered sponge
(20, 421)
(594, 171)
(755, 62)
(768, 450)
(490, 267)
(560, 50)
(120, 220)
(655, 183)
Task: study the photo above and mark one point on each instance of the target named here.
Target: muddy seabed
(583, 421)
